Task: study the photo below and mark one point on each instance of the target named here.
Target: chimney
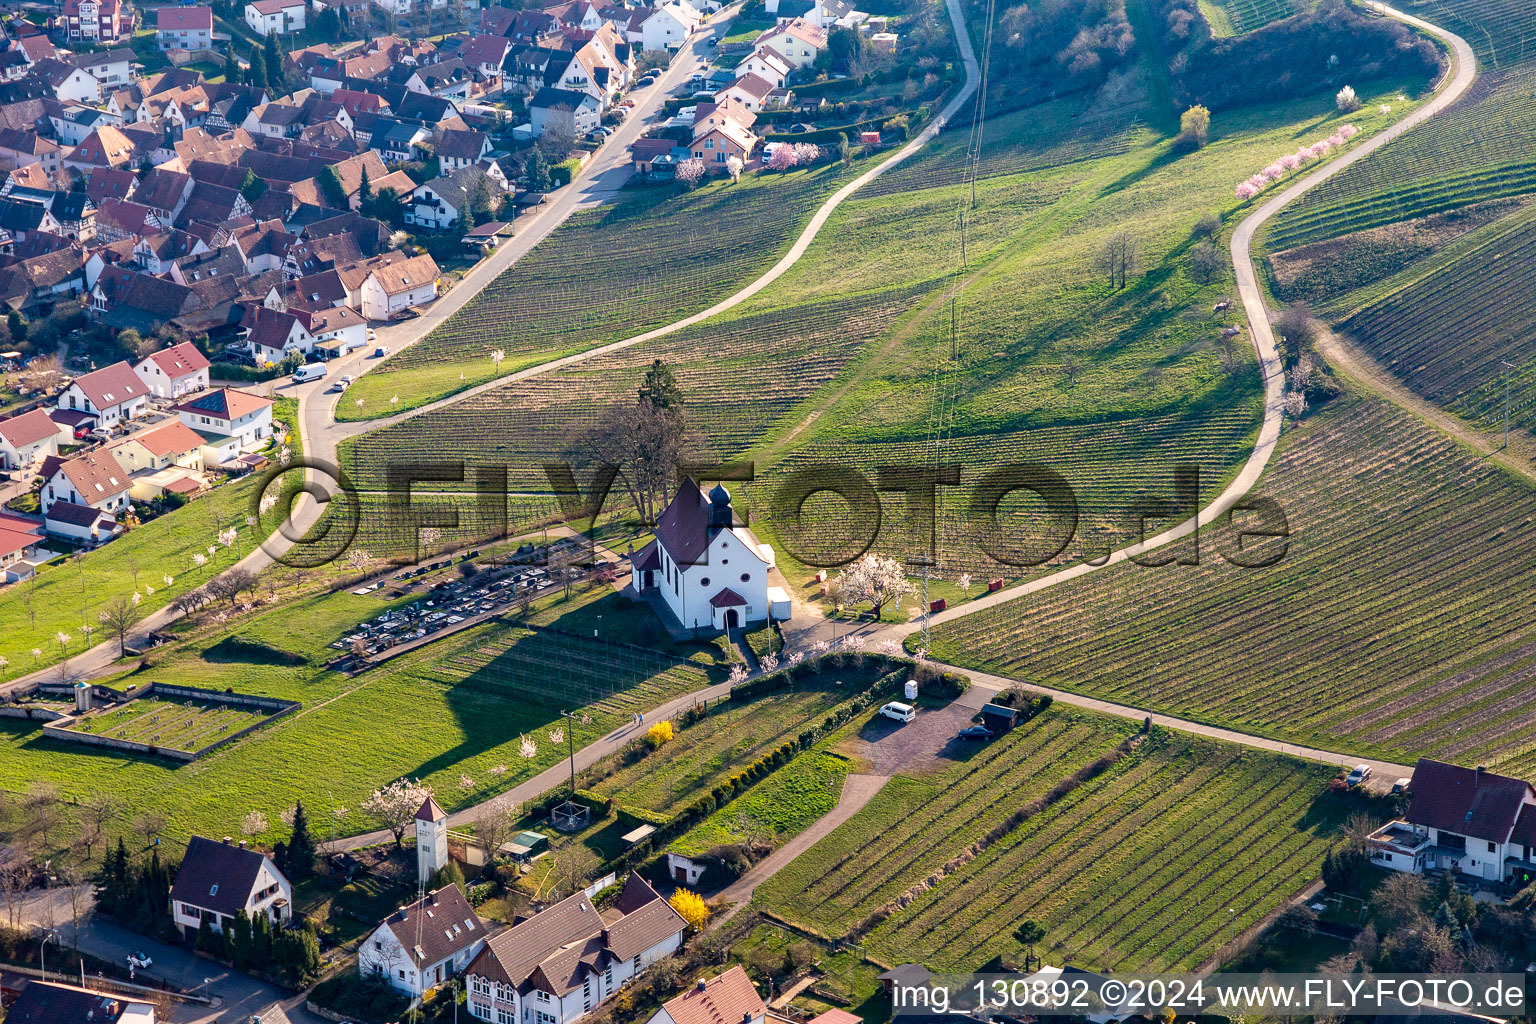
(244, 844)
(1481, 769)
(703, 984)
(228, 841)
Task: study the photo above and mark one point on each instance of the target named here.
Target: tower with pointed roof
(431, 839)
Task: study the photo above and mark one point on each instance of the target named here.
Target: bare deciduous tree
(495, 826)
(119, 616)
(646, 444)
(1119, 259)
(96, 813)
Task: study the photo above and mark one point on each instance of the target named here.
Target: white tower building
(431, 839)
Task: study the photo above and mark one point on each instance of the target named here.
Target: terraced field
(1481, 149)
(1127, 865)
(174, 725)
(657, 255)
(1234, 17)
(1449, 329)
(1387, 626)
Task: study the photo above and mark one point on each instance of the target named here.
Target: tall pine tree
(231, 65)
(273, 58)
(301, 845)
(256, 74)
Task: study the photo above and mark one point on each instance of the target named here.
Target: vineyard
(1235, 17)
(1387, 626)
(606, 274)
(1480, 149)
(739, 377)
(706, 752)
(1129, 864)
(785, 804)
(1449, 331)
(186, 726)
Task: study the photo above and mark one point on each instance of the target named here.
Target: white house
(384, 285)
(218, 880)
(750, 90)
(1466, 820)
(172, 444)
(175, 371)
(668, 27)
(272, 335)
(576, 112)
(112, 68)
(337, 330)
(229, 413)
(705, 566)
(113, 394)
(27, 439)
(423, 945)
(19, 539)
(728, 998)
(184, 28)
(558, 965)
(798, 42)
(277, 16)
(767, 65)
(93, 480)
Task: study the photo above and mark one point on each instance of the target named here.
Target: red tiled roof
(173, 438)
(730, 998)
(28, 428)
(727, 598)
(1465, 801)
(111, 385)
(430, 811)
(170, 19)
(179, 360)
(224, 404)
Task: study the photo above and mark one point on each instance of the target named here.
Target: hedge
(564, 171)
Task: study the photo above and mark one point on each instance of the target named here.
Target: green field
(1131, 868)
(1234, 17)
(1385, 626)
(783, 806)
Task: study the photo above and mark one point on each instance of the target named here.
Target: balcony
(1401, 838)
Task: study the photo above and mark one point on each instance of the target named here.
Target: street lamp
(42, 952)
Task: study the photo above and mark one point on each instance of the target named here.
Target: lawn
(779, 808)
(1132, 868)
(176, 725)
(731, 737)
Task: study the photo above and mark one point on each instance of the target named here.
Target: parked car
(308, 372)
(1360, 773)
(1401, 785)
(381, 352)
(976, 732)
(81, 432)
(139, 960)
(373, 335)
(899, 711)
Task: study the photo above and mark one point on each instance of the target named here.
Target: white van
(309, 371)
(899, 711)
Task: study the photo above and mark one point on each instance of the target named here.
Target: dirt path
(858, 790)
(1371, 375)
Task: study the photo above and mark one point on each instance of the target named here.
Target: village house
(19, 540)
(424, 944)
(169, 445)
(97, 21)
(1467, 820)
(27, 439)
(729, 138)
(337, 330)
(111, 68)
(574, 113)
(272, 335)
(175, 371)
(18, 148)
(752, 91)
(92, 481)
(383, 285)
(798, 42)
(767, 65)
(558, 965)
(217, 880)
(228, 413)
(67, 83)
(48, 1002)
(728, 998)
(669, 27)
(113, 395)
(280, 17)
(183, 28)
(451, 200)
(705, 569)
(459, 149)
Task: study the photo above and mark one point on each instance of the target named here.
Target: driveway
(236, 996)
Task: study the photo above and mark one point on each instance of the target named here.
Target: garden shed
(999, 717)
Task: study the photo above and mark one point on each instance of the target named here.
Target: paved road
(237, 996)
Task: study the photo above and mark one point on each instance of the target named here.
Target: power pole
(570, 740)
(954, 344)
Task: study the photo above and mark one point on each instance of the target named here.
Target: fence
(107, 986)
(62, 729)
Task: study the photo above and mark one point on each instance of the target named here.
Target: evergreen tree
(208, 940)
(273, 58)
(114, 880)
(241, 941)
(301, 847)
(364, 192)
(280, 857)
(17, 326)
(231, 66)
(261, 940)
(660, 390)
(537, 171)
(448, 874)
(256, 74)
